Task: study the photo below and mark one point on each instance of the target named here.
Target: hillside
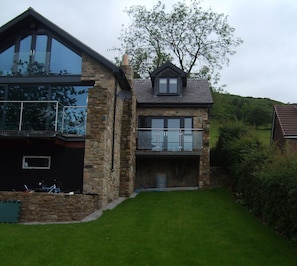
(252, 111)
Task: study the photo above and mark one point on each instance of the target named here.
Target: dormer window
(168, 80)
(168, 86)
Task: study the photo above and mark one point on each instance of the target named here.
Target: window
(168, 86)
(64, 61)
(6, 59)
(36, 162)
(43, 107)
(38, 54)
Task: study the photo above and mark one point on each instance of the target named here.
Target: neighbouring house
(71, 118)
(173, 130)
(284, 128)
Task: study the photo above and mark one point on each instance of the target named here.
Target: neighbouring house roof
(287, 117)
(30, 18)
(196, 93)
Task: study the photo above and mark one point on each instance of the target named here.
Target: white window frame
(25, 163)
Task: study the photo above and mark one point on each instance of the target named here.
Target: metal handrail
(65, 108)
(57, 120)
(169, 139)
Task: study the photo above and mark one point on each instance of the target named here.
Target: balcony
(165, 141)
(41, 118)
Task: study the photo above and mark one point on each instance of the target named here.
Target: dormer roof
(30, 19)
(169, 70)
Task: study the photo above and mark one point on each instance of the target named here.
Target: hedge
(264, 180)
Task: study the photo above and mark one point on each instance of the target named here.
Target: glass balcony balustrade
(172, 140)
(42, 116)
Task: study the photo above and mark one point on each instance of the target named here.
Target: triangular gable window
(39, 55)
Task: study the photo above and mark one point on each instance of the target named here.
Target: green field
(263, 133)
(155, 228)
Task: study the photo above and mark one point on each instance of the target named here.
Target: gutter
(122, 80)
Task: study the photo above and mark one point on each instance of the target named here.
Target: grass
(263, 134)
(155, 228)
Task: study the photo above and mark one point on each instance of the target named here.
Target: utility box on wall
(161, 180)
(9, 211)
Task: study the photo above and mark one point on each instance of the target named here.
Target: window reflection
(168, 86)
(65, 95)
(162, 85)
(167, 134)
(172, 85)
(33, 57)
(22, 60)
(63, 60)
(44, 108)
(40, 55)
(6, 61)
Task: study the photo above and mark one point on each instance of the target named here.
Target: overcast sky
(265, 65)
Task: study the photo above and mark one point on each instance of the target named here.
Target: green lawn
(155, 228)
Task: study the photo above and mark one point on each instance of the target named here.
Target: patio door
(173, 136)
(166, 134)
(158, 134)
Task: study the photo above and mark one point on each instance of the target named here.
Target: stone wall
(109, 164)
(128, 139)
(59, 207)
(103, 131)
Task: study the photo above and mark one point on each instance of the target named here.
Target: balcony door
(173, 136)
(158, 134)
(166, 134)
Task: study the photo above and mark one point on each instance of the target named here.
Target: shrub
(265, 181)
(238, 150)
(271, 194)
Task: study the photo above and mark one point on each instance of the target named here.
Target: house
(67, 118)
(73, 122)
(173, 130)
(284, 127)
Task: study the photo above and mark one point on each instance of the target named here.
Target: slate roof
(197, 93)
(287, 117)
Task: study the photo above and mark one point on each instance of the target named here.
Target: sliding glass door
(171, 134)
